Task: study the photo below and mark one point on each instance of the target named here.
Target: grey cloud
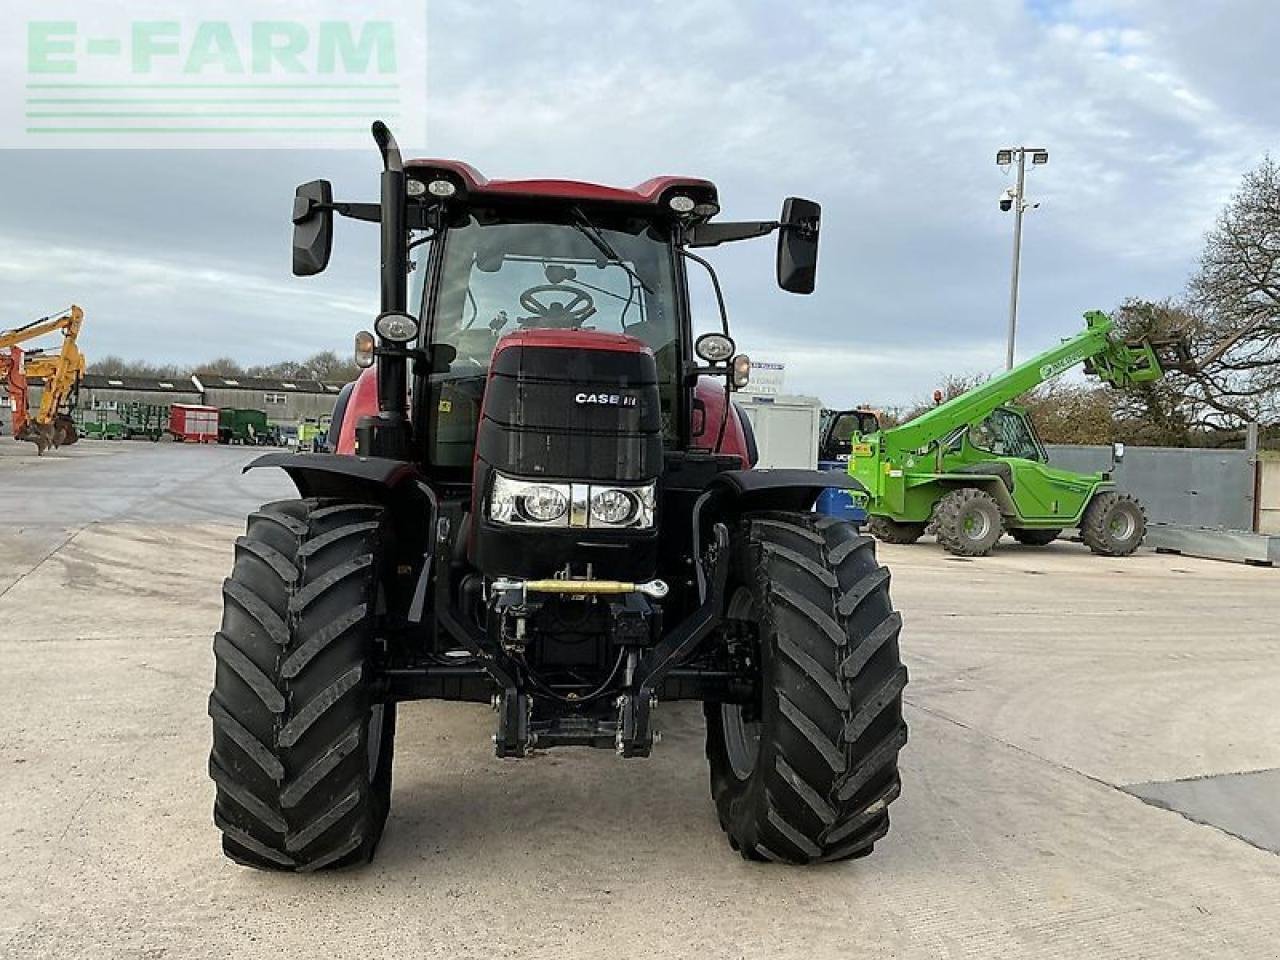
(888, 113)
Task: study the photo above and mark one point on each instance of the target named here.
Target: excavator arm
(69, 323)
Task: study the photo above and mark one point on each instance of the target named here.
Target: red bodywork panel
(734, 442)
(364, 396)
(363, 402)
(572, 339)
(650, 192)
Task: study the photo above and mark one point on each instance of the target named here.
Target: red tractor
(542, 497)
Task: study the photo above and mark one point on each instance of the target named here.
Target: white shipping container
(786, 429)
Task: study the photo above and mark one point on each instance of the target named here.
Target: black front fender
(374, 479)
(780, 489)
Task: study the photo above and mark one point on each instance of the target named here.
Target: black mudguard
(375, 479)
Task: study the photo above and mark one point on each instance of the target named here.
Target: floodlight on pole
(1015, 198)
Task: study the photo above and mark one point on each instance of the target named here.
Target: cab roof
(649, 193)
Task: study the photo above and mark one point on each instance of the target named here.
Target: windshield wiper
(592, 233)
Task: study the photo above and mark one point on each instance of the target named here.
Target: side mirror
(1117, 452)
(312, 227)
(798, 245)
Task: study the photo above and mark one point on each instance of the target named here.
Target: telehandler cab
(542, 499)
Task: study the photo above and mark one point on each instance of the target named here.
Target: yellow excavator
(62, 372)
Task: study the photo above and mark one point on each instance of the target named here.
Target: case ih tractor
(542, 499)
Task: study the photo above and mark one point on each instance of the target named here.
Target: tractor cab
(503, 269)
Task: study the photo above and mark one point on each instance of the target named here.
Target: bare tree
(1068, 412)
(221, 366)
(952, 386)
(326, 365)
(1236, 294)
(112, 365)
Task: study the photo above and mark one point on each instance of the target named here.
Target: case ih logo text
(606, 399)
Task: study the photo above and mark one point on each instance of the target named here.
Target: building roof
(109, 381)
(267, 384)
(200, 382)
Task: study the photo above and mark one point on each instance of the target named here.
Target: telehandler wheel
(806, 774)
(1035, 538)
(301, 745)
(967, 522)
(894, 531)
(1114, 524)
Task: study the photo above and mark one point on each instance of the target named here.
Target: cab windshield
(1006, 433)
(499, 275)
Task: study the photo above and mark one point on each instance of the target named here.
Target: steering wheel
(569, 314)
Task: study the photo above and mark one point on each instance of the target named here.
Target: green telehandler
(973, 468)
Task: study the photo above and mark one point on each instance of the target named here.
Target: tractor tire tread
(293, 706)
(825, 775)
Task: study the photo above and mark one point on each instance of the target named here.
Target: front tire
(806, 774)
(968, 522)
(302, 748)
(1114, 524)
(894, 531)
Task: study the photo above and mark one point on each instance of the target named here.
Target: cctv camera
(1007, 198)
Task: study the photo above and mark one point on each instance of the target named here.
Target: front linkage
(619, 713)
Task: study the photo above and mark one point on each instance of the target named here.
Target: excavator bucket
(65, 431)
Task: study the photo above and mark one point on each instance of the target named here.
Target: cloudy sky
(887, 113)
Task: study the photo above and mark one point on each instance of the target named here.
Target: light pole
(1014, 198)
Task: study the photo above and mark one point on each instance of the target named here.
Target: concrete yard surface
(1045, 683)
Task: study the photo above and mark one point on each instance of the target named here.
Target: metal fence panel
(1200, 488)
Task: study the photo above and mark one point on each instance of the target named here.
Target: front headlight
(529, 502)
(544, 503)
(622, 507)
(613, 507)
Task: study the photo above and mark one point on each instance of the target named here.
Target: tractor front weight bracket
(630, 731)
(636, 734)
